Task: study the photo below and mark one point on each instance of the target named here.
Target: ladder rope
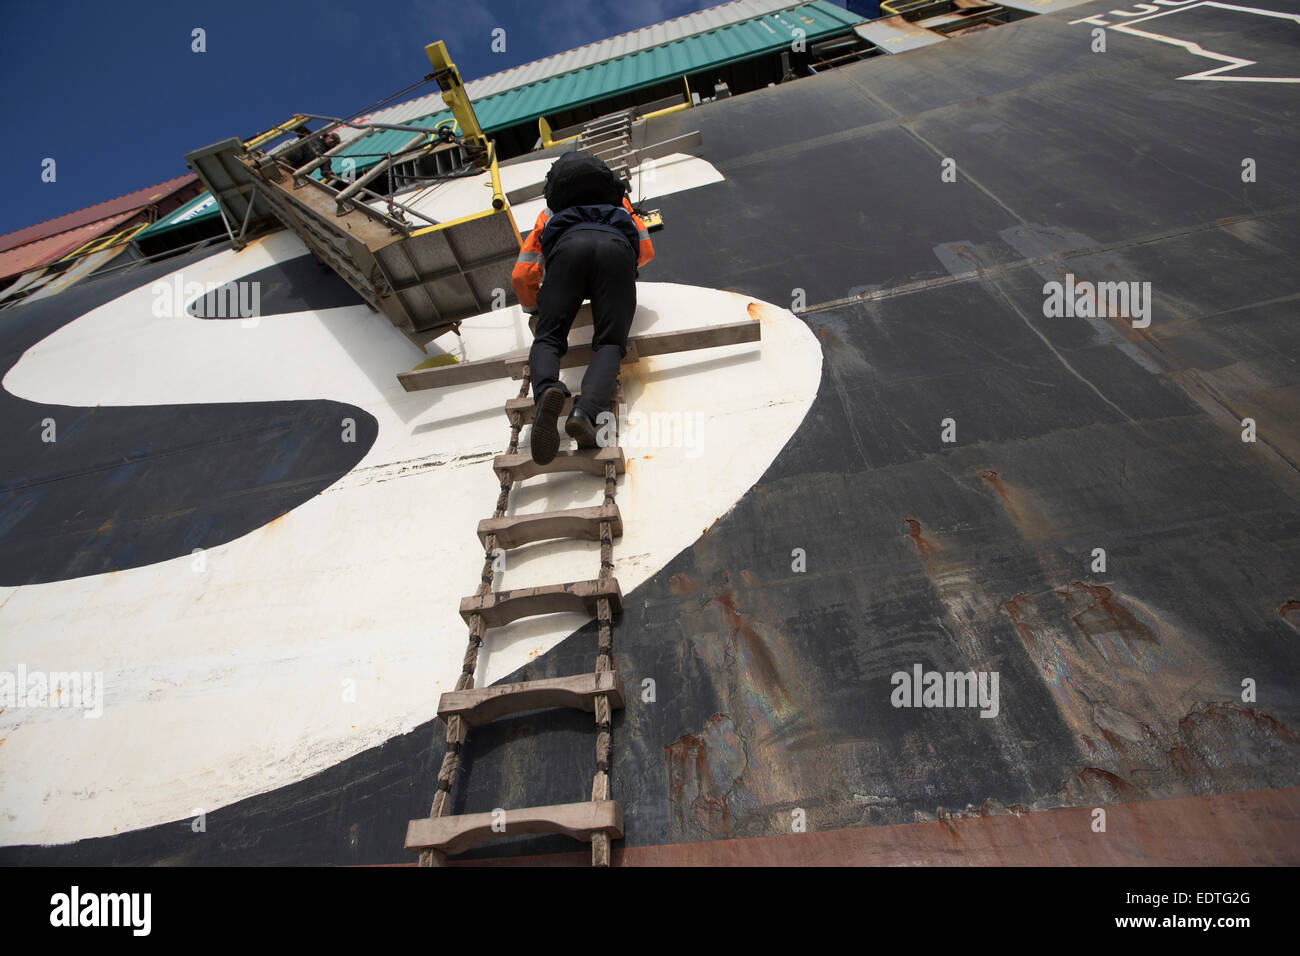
(600, 784)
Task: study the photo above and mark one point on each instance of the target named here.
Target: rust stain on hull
(702, 770)
(967, 611)
(924, 546)
(1096, 612)
(749, 758)
(1141, 699)
(681, 584)
(1109, 670)
(1027, 515)
(755, 647)
(1290, 612)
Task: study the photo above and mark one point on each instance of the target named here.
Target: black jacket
(612, 219)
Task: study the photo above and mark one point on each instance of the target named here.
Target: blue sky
(113, 93)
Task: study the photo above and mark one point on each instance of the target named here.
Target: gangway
(424, 275)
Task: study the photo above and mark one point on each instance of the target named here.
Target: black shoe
(545, 437)
(580, 428)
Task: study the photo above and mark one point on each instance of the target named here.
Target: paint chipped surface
(703, 770)
(1135, 690)
(1289, 611)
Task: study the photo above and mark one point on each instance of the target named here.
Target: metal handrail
(498, 197)
(407, 151)
(480, 149)
(405, 229)
(897, 7)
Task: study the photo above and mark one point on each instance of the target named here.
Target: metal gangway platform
(424, 275)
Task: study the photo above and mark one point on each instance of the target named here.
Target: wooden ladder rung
(589, 460)
(644, 346)
(515, 531)
(486, 704)
(499, 608)
(638, 346)
(528, 408)
(450, 835)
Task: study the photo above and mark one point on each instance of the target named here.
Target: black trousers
(585, 264)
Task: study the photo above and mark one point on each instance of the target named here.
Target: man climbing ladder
(588, 243)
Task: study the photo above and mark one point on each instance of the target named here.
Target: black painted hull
(773, 685)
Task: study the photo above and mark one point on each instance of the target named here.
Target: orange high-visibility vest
(529, 268)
